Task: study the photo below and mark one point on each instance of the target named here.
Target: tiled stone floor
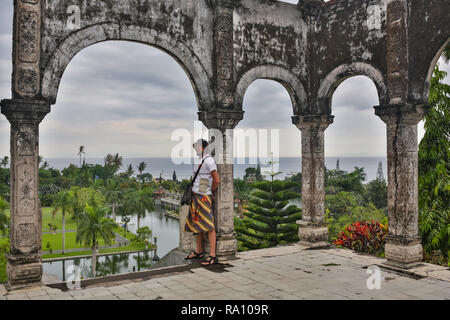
(288, 272)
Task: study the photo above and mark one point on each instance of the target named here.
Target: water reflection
(106, 265)
(112, 265)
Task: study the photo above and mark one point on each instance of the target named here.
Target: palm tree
(113, 162)
(130, 171)
(80, 152)
(113, 194)
(141, 168)
(359, 174)
(117, 161)
(3, 217)
(5, 161)
(138, 203)
(109, 158)
(92, 226)
(64, 201)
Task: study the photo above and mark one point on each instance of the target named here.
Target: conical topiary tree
(270, 219)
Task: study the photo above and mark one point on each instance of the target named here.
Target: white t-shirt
(205, 173)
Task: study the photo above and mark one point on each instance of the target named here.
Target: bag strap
(198, 170)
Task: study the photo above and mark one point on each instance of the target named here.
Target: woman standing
(200, 218)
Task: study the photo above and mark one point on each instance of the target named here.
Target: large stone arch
(438, 54)
(77, 41)
(338, 75)
(279, 74)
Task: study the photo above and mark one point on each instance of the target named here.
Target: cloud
(128, 98)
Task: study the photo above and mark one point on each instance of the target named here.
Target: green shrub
(144, 233)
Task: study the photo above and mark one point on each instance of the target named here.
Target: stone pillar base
(24, 271)
(313, 235)
(403, 254)
(226, 247)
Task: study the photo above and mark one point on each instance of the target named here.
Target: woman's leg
(212, 242)
(200, 242)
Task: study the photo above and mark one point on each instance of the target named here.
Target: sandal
(195, 256)
(210, 261)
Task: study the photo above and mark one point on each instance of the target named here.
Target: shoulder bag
(187, 195)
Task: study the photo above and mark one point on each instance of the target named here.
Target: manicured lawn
(56, 241)
(47, 218)
(66, 255)
(131, 247)
(124, 234)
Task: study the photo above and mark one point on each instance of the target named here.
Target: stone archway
(79, 40)
(332, 80)
(286, 78)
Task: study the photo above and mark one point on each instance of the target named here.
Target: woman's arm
(216, 180)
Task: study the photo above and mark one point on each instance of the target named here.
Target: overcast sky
(129, 98)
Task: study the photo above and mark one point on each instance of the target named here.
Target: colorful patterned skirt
(200, 217)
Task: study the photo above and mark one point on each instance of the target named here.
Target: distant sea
(288, 166)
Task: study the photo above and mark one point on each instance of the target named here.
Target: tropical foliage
(137, 203)
(434, 169)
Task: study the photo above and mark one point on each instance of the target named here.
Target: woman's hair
(203, 142)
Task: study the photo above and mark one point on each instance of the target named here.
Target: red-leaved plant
(362, 236)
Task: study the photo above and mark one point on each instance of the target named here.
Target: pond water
(164, 228)
(106, 265)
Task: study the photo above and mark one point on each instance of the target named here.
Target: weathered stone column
(222, 122)
(313, 229)
(223, 51)
(24, 261)
(26, 49)
(403, 247)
